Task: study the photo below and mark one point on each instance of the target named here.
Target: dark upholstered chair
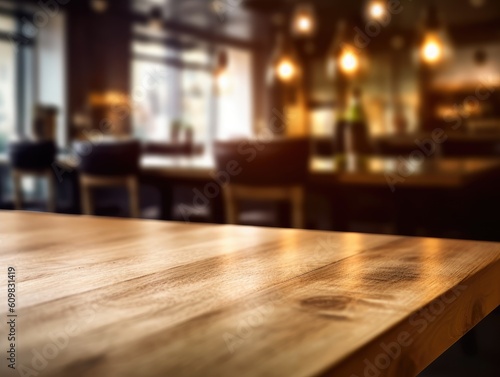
(32, 158)
(108, 164)
(267, 171)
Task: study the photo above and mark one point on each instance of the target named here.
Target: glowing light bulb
(285, 70)
(376, 10)
(349, 62)
(304, 20)
(432, 50)
(223, 81)
(304, 24)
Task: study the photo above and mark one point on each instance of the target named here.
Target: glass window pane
(7, 24)
(196, 98)
(155, 99)
(7, 93)
(28, 91)
(235, 105)
(196, 56)
(152, 50)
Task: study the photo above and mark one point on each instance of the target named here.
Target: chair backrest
(275, 163)
(32, 155)
(109, 158)
(172, 149)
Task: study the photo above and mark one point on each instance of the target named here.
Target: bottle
(339, 138)
(356, 136)
(399, 120)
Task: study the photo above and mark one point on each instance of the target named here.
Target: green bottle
(356, 135)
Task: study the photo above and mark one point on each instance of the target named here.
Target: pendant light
(284, 64)
(434, 46)
(303, 20)
(156, 18)
(344, 58)
(349, 60)
(376, 9)
(221, 74)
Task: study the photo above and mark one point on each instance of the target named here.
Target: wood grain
(145, 298)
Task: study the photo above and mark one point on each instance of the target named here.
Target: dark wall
(98, 52)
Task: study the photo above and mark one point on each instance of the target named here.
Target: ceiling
(227, 17)
(453, 12)
(251, 20)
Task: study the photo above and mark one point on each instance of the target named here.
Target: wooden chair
(274, 172)
(109, 164)
(32, 158)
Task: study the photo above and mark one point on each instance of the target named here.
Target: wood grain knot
(385, 275)
(84, 365)
(327, 302)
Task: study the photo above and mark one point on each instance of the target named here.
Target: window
(8, 74)
(7, 93)
(51, 72)
(234, 110)
(172, 85)
(31, 73)
(169, 87)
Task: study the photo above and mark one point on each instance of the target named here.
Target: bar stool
(32, 158)
(274, 172)
(109, 164)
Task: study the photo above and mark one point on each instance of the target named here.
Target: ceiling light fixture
(284, 64)
(344, 58)
(222, 77)
(435, 46)
(432, 49)
(349, 61)
(377, 9)
(156, 18)
(303, 20)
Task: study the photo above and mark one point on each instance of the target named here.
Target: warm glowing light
(303, 20)
(156, 24)
(432, 50)
(109, 98)
(349, 62)
(156, 18)
(285, 70)
(223, 81)
(99, 6)
(304, 23)
(376, 10)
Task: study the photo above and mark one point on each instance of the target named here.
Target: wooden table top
(118, 297)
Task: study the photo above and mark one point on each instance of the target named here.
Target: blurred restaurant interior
(363, 116)
(396, 104)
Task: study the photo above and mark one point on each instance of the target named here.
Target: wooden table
(109, 297)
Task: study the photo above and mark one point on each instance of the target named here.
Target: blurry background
(376, 88)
